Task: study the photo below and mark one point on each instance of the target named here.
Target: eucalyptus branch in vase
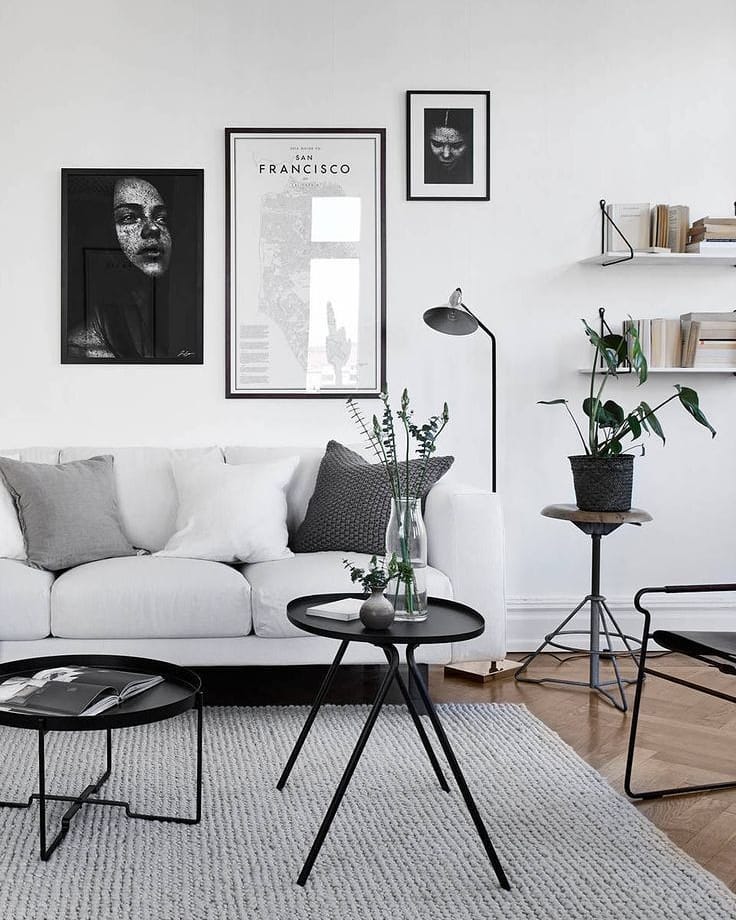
(406, 490)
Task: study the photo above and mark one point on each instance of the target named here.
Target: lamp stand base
(483, 671)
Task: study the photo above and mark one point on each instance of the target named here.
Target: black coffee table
(180, 691)
(448, 621)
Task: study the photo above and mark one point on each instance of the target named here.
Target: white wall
(628, 101)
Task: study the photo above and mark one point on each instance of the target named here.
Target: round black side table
(596, 524)
(448, 621)
(180, 691)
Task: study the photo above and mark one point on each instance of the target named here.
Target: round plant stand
(596, 524)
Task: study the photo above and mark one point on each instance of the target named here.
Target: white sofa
(200, 613)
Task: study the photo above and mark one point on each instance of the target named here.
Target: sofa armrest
(466, 541)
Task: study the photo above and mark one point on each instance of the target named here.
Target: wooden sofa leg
(483, 671)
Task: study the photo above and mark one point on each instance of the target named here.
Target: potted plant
(377, 611)
(603, 475)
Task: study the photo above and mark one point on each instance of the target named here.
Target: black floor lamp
(454, 318)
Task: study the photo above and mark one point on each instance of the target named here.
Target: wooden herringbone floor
(685, 737)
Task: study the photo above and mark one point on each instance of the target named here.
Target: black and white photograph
(448, 149)
(305, 262)
(448, 146)
(131, 266)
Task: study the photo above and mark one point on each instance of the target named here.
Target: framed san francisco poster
(306, 252)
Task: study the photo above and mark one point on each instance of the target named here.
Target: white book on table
(348, 608)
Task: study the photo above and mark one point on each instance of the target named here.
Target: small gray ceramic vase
(377, 611)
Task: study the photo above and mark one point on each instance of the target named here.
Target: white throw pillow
(12, 544)
(231, 513)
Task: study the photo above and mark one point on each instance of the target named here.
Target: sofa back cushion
(68, 513)
(12, 544)
(301, 485)
(147, 499)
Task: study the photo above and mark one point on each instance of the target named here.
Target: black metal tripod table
(447, 622)
(179, 692)
(596, 524)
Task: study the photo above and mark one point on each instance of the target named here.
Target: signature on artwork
(185, 353)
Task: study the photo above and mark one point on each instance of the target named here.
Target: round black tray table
(448, 621)
(180, 691)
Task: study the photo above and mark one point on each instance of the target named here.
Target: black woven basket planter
(603, 483)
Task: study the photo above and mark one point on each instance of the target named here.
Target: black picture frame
(118, 306)
(305, 136)
(462, 119)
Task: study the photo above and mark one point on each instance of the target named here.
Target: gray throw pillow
(68, 513)
(351, 504)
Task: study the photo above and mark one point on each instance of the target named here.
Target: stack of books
(708, 339)
(649, 228)
(693, 340)
(713, 236)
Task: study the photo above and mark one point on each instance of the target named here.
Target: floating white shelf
(671, 370)
(662, 258)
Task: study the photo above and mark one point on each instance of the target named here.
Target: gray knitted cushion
(351, 504)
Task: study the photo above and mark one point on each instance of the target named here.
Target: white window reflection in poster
(305, 262)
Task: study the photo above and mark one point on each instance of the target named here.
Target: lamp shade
(450, 320)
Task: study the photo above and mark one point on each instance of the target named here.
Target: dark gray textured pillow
(68, 513)
(351, 504)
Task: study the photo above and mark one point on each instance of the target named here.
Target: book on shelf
(73, 691)
(712, 235)
(678, 224)
(666, 343)
(346, 609)
(708, 339)
(712, 229)
(713, 247)
(644, 330)
(659, 225)
(713, 222)
(710, 353)
(633, 221)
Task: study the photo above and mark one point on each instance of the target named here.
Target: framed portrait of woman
(448, 145)
(131, 266)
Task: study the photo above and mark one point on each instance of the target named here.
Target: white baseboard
(530, 619)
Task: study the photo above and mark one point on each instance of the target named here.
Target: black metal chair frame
(722, 665)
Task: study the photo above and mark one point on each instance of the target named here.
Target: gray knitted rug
(400, 848)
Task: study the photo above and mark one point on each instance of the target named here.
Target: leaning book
(73, 691)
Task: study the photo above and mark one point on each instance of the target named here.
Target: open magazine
(73, 691)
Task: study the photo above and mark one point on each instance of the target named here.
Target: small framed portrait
(448, 145)
(131, 266)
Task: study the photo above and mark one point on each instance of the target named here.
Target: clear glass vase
(406, 536)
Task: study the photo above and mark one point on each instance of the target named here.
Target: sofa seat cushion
(24, 601)
(145, 597)
(274, 584)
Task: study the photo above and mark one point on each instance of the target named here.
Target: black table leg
(316, 705)
(456, 771)
(77, 801)
(88, 795)
(420, 728)
(393, 659)
(42, 790)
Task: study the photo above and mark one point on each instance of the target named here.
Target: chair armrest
(466, 541)
(675, 589)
